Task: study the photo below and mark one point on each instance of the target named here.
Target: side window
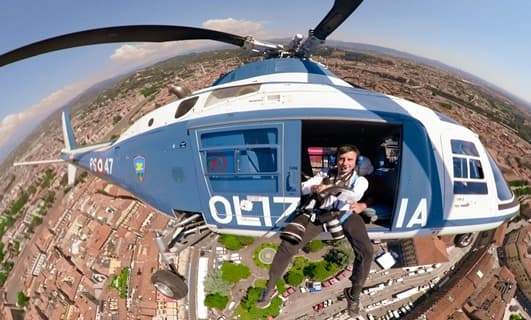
(220, 161)
(242, 161)
(468, 171)
(255, 160)
(185, 106)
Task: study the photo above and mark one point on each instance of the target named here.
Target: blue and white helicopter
(230, 158)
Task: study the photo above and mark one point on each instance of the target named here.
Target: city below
(89, 251)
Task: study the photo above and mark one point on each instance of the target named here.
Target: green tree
(337, 257)
(232, 272)
(248, 310)
(214, 283)
(120, 282)
(32, 189)
(3, 277)
(116, 119)
(516, 317)
(49, 198)
(47, 179)
(18, 204)
(294, 278)
(16, 247)
(321, 271)
(233, 242)
(36, 220)
(22, 299)
(281, 285)
(309, 270)
(216, 301)
(299, 263)
(314, 246)
(2, 253)
(8, 266)
(253, 295)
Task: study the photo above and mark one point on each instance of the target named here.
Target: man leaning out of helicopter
(344, 175)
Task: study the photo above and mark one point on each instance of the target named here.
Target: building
(499, 234)
(423, 250)
(518, 255)
(489, 302)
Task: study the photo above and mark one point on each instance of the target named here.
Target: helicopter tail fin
(68, 132)
(70, 144)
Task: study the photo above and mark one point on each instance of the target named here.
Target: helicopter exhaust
(180, 91)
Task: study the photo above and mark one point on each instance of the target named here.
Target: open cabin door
(250, 175)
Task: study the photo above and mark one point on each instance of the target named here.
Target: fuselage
(234, 152)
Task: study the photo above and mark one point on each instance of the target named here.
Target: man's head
(346, 158)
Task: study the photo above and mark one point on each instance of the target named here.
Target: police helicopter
(230, 158)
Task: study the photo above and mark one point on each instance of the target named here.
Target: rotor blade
(139, 33)
(341, 10)
(32, 163)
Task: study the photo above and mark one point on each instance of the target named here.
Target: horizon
(34, 89)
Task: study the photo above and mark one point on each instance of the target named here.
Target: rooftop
(430, 250)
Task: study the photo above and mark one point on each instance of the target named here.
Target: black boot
(353, 303)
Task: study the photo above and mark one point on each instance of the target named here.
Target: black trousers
(356, 233)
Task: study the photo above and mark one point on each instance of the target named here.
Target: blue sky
(490, 39)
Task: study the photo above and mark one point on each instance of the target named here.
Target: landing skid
(189, 232)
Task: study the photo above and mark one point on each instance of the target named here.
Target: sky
(490, 39)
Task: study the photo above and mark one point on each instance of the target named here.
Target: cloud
(130, 52)
(138, 54)
(23, 122)
(240, 27)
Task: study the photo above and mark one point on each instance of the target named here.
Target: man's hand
(319, 187)
(358, 207)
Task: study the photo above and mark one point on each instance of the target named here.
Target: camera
(335, 228)
(294, 231)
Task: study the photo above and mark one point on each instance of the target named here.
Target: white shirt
(357, 184)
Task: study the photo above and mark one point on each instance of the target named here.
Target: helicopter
(230, 158)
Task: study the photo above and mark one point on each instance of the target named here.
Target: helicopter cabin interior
(378, 142)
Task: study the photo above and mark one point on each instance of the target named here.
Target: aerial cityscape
(89, 251)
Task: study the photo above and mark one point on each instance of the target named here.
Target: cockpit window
(460, 168)
(476, 171)
(219, 95)
(468, 171)
(464, 147)
(503, 190)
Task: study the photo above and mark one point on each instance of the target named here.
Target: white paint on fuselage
(300, 90)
